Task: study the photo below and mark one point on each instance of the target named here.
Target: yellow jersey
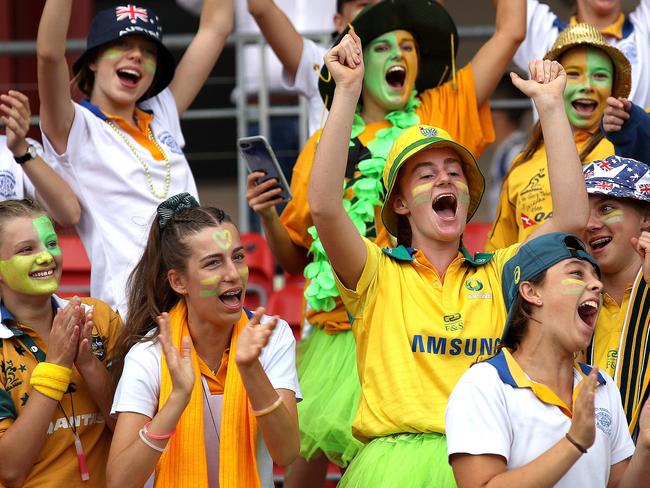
(453, 109)
(56, 464)
(525, 202)
(417, 333)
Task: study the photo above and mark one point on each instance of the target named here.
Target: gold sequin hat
(588, 35)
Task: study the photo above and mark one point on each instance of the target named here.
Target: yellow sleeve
(108, 326)
(296, 216)
(502, 256)
(504, 231)
(455, 110)
(355, 300)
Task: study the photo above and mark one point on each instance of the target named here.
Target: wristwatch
(30, 154)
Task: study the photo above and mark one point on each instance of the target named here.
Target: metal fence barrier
(243, 112)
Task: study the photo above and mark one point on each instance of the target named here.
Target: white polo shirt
(306, 82)
(14, 184)
(117, 207)
(139, 389)
(492, 410)
(543, 27)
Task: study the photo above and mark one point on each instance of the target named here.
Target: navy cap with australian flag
(125, 20)
(534, 257)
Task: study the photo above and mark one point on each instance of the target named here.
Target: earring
(539, 302)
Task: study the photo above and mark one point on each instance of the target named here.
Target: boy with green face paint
(408, 51)
(595, 71)
(52, 351)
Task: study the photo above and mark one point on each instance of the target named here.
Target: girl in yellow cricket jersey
(55, 391)
(424, 311)
(619, 193)
(409, 49)
(595, 71)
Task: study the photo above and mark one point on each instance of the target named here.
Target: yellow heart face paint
(613, 217)
(573, 286)
(222, 238)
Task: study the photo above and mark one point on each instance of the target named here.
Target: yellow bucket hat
(588, 35)
(414, 140)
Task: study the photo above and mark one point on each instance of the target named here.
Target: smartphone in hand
(260, 157)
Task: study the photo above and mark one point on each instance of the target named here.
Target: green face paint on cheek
(112, 53)
(573, 286)
(463, 192)
(47, 235)
(149, 65)
(422, 193)
(613, 217)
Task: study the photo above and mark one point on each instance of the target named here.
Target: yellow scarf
(184, 464)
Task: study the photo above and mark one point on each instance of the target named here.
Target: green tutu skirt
(327, 370)
(400, 461)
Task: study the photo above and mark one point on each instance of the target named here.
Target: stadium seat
(287, 303)
(261, 269)
(76, 267)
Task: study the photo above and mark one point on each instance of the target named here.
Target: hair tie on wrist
(269, 409)
(174, 204)
(158, 437)
(575, 443)
(149, 443)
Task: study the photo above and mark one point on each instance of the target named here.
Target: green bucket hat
(419, 138)
(431, 26)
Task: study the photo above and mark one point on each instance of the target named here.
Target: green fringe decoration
(368, 193)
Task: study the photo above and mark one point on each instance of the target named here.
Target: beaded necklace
(147, 172)
(360, 197)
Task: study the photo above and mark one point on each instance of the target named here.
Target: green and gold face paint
(613, 217)
(590, 75)
(573, 286)
(391, 68)
(463, 192)
(34, 274)
(422, 193)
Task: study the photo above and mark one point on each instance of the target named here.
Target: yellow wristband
(51, 380)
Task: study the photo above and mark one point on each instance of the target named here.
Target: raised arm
(491, 60)
(279, 32)
(194, 68)
(342, 242)
(52, 192)
(56, 111)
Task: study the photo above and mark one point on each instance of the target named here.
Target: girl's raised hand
(64, 335)
(179, 363)
(583, 425)
(547, 78)
(253, 338)
(641, 245)
(345, 61)
(16, 117)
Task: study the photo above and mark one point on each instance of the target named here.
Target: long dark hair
(148, 289)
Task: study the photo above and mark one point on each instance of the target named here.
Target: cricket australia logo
(603, 420)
